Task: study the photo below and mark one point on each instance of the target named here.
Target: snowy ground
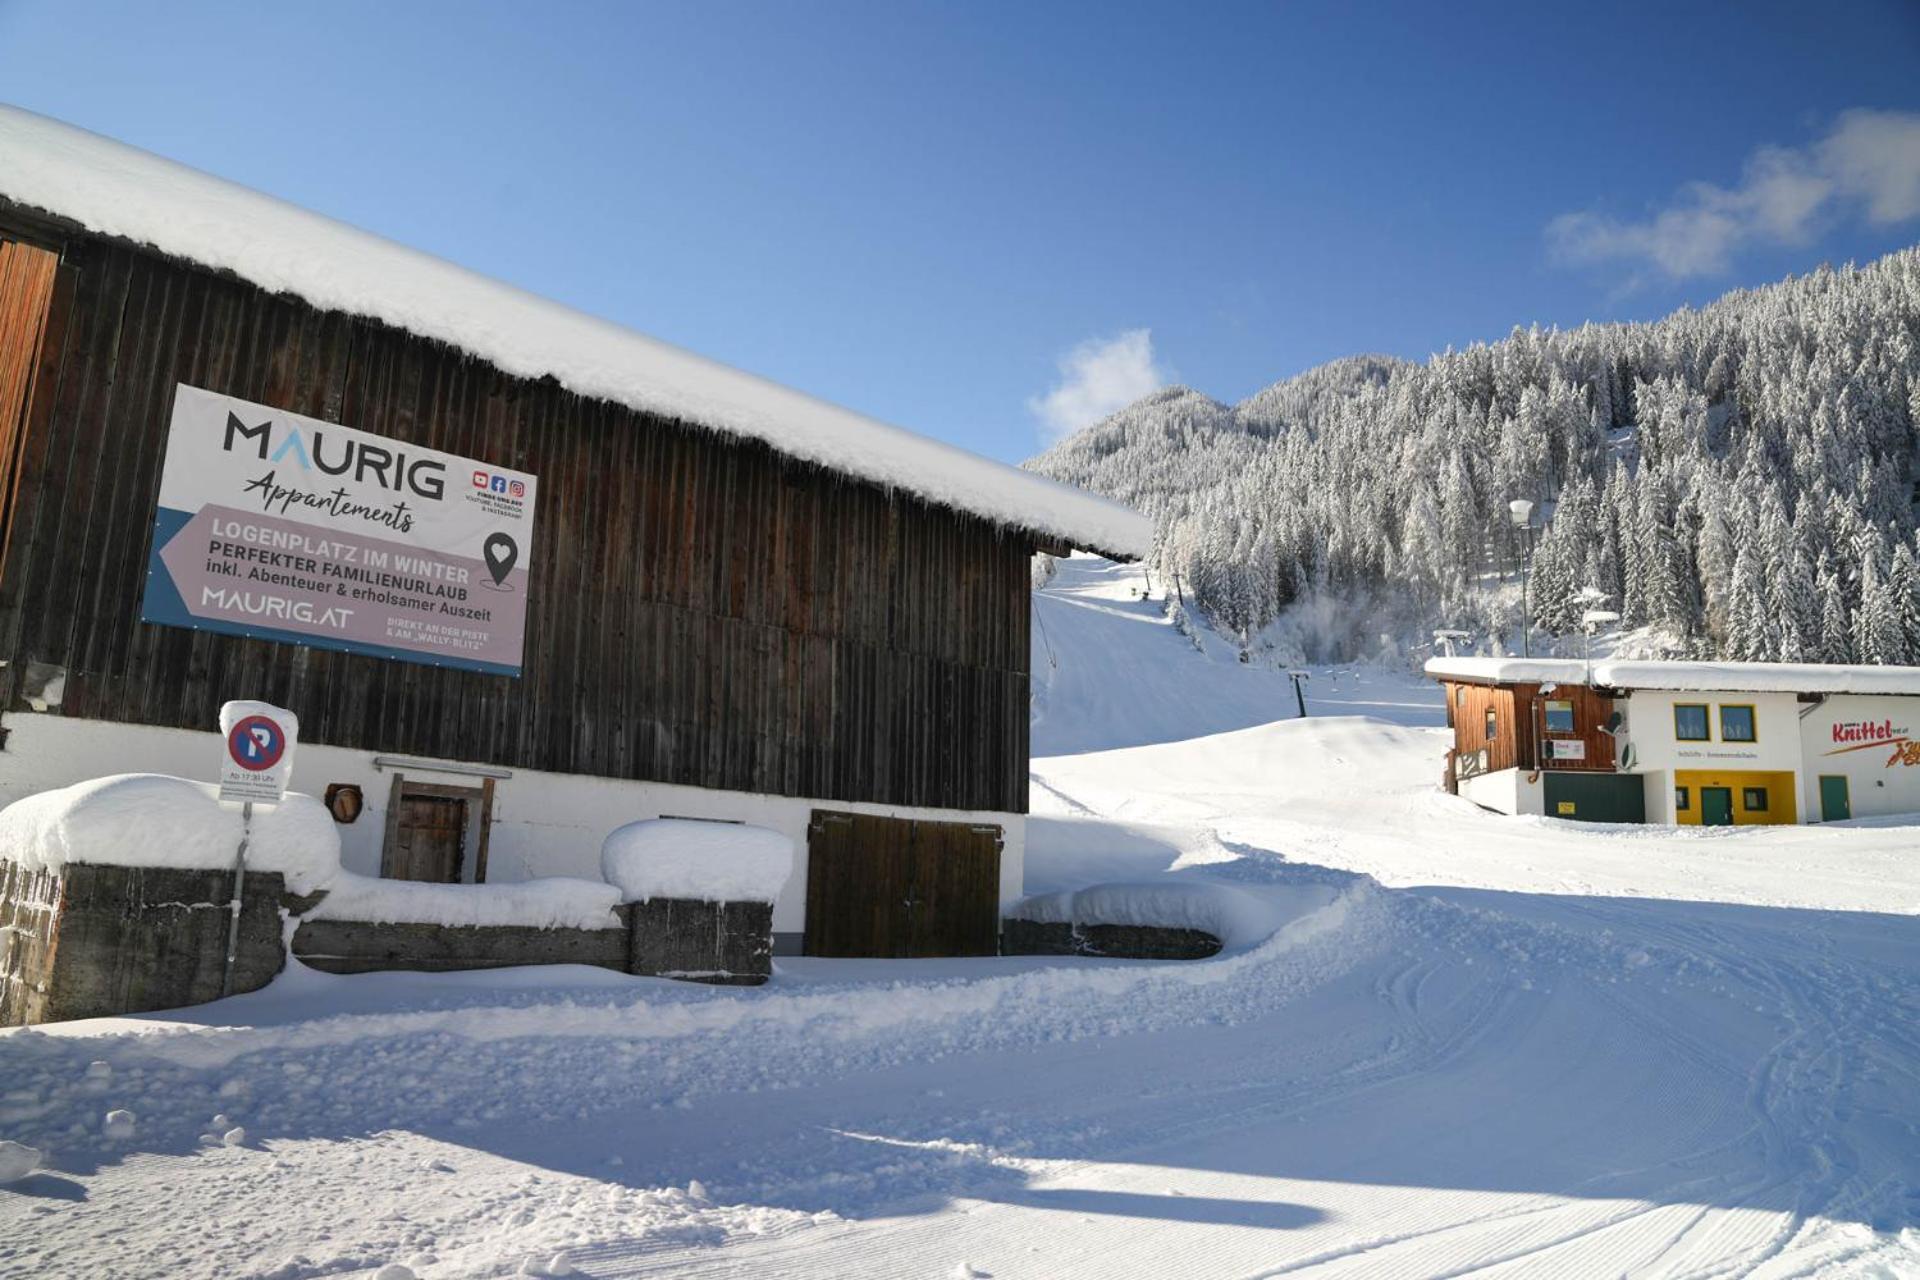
(1477, 1043)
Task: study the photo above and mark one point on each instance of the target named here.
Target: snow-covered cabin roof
(1758, 677)
(1726, 677)
(116, 190)
(1509, 670)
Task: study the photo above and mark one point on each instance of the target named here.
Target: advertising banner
(286, 528)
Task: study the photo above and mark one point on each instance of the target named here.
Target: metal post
(1526, 606)
(1299, 697)
(239, 887)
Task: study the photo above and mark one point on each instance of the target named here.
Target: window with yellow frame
(1737, 722)
(1690, 722)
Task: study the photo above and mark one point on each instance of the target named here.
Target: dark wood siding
(703, 610)
(1519, 715)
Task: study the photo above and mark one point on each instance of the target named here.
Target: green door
(1716, 806)
(1835, 804)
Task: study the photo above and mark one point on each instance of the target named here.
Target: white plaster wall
(1878, 780)
(1506, 791)
(1659, 797)
(545, 824)
(1647, 717)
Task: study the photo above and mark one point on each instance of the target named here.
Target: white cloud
(1867, 167)
(1098, 377)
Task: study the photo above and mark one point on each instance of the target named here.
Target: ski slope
(1474, 1044)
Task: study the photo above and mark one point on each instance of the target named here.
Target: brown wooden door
(891, 887)
(429, 841)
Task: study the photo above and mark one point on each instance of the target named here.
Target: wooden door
(893, 887)
(1716, 806)
(429, 840)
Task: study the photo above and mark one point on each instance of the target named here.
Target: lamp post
(1521, 510)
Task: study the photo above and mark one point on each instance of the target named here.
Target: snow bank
(113, 189)
(152, 820)
(1236, 917)
(704, 861)
(554, 902)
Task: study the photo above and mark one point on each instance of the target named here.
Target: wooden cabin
(738, 602)
(1535, 736)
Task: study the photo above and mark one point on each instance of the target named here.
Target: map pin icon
(500, 552)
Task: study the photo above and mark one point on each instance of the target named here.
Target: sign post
(254, 768)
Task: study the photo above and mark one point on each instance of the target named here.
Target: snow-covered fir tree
(1739, 477)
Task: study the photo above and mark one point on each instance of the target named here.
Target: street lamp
(1522, 512)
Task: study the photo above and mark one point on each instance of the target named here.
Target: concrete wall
(1106, 941)
(545, 824)
(96, 941)
(1506, 791)
(354, 946)
(1868, 741)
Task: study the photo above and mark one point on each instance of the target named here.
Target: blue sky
(920, 210)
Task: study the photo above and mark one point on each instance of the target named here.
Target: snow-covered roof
(117, 190)
(1732, 677)
(1509, 670)
(1759, 677)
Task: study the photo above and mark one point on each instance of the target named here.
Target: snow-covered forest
(1737, 481)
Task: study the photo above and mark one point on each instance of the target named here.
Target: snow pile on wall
(1236, 917)
(552, 902)
(152, 820)
(703, 861)
(117, 190)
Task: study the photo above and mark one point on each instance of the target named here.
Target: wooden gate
(895, 888)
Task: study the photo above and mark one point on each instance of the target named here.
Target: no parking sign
(258, 755)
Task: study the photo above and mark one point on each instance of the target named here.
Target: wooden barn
(524, 575)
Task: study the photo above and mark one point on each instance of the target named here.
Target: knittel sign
(1865, 735)
(290, 529)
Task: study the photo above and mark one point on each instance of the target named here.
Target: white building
(1714, 743)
